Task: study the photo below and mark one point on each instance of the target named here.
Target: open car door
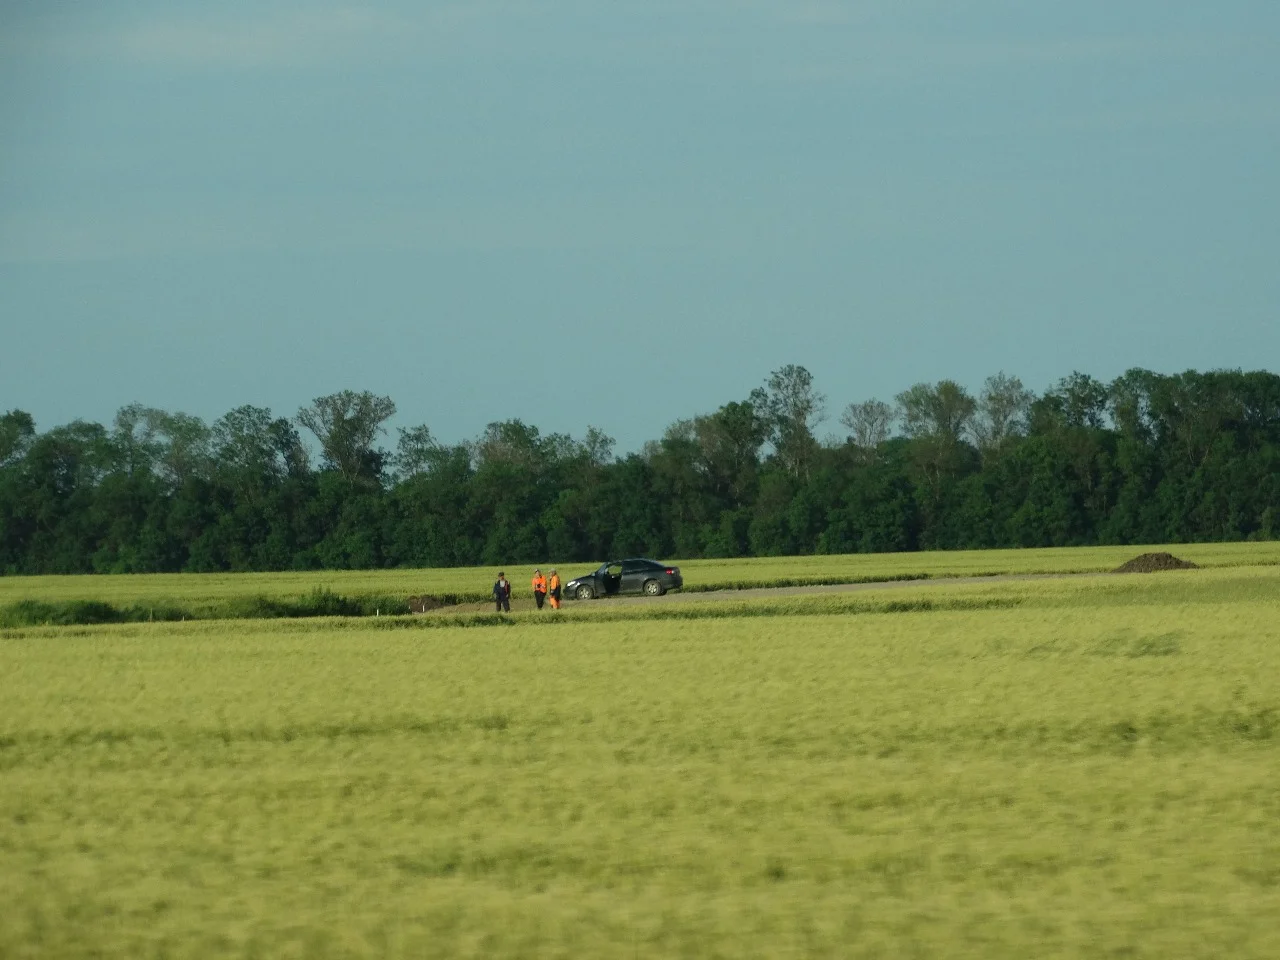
(611, 579)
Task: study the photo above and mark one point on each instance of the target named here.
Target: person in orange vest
(539, 588)
(555, 589)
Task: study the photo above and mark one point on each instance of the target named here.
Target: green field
(1064, 768)
(204, 595)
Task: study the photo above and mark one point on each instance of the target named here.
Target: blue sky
(624, 213)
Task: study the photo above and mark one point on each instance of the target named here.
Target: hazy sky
(625, 212)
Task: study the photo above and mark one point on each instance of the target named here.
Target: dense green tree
(790, 407)
(1078, 401)
(1002, 415)
(1148, 457)
(416, 452)
(347, 425)
(254, 451)
(17, 430)
(936, 418)
(870, 424)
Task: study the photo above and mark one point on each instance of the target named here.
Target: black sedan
(637, 575)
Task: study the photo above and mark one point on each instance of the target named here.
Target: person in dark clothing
(502, 593)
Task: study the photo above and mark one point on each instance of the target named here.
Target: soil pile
(424, 603)
(1154, 563)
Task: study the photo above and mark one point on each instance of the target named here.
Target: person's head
(553, 569)
(501, 575)
(539, 570)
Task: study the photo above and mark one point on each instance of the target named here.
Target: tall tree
(347, 424)
(184, 445)
(1193, 410)
(869, 424)
(60, 478)
(416, 451)
(729, 443)
(17, 430)
(936, 417)
(255, 449)
(791, 407)
(134, 439)
(1129, 400)
(597, 447)
(510, 442)
(1003, 413)
(1077, 402)
(941, 411)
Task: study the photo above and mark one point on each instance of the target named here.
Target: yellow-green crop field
(204, 593)
(1087, 767)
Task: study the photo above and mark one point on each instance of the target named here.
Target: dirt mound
(1154, 563)
(424, 603)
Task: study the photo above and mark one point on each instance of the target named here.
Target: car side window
(634, 566)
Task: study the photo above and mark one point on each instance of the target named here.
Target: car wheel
(653, 588)
(584, 593)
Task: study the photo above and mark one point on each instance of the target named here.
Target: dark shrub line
(320, 602)
(317, 603)
(323, 602)
(402, 621)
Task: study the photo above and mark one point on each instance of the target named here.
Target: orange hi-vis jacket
(539, 584)
(555, 582)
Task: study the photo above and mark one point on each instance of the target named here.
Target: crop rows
(1076, 767)
(177, 597)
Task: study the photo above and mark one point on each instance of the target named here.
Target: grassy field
(1076, 768)
(203, 595)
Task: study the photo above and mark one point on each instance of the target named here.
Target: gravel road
(520, 603)
(681, 596)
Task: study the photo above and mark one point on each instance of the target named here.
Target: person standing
(502, 593)
(539, 588)
(555, 589)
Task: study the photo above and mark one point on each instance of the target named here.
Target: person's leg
(538, 598)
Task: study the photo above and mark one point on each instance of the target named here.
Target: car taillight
(672, 571)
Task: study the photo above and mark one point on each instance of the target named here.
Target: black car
(636, 575)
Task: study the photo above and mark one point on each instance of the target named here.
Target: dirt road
(681, 596)
(755, 592)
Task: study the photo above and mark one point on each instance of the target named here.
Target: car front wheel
(584, 592)
(653, 588)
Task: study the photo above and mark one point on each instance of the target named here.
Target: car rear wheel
(653, 588)
(584, 593)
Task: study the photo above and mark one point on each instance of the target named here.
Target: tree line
(1145, 458)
